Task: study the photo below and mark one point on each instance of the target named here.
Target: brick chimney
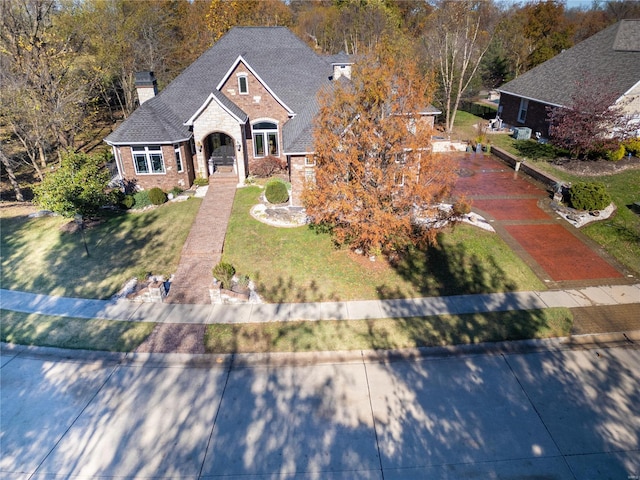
(146, 86)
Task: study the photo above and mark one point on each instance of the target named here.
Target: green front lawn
(38, 256)
(301, 265)
(375, 334)
(76, 333)
(388, 333)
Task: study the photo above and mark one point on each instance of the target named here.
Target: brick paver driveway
(517, 208)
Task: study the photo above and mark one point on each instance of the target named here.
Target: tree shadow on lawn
(117, 251)
(442, 270)
(285, 290)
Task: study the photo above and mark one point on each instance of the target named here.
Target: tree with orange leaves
(377, 183)
(224, 14)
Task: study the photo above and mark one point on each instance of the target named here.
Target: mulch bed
(593, 168)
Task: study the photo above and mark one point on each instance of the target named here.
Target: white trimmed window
(522, 113)
(148, 159)
(243, 84)
(176, 149)
(309, 161)
(265, 139)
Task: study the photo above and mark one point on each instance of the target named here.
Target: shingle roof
(286, 64)
(611, 56)
(341, 59)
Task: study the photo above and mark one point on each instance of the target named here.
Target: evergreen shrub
(616, 154)
(128, 201)
(276, 192)
(633, 146)
(157, 196)
(589, 196)
(141, 199)
(201, 182)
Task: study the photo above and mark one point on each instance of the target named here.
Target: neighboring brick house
(253, 94)
(610, 57)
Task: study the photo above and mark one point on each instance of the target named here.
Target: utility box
(522, 133)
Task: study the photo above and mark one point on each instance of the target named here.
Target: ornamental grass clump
(224, 272)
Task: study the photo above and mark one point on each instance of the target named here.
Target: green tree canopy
(78, 187)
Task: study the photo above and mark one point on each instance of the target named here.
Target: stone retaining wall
(525, 167)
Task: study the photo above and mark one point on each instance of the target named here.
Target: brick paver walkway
(203, 247)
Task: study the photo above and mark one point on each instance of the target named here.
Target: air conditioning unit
(522, 133)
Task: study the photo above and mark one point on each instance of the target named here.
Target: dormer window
(243, 84)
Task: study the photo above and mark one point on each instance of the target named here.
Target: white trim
(239, 76)
(298, 153)
(523, 109)
(629, 91)
(148, 160)
(532, 99)
(151, 142)
(204, 107)
(264, 84)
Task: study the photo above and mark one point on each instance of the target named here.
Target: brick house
(251, 95)
(610, 57)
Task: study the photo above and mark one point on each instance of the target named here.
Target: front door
(222, 152)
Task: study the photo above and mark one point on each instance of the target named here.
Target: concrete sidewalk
(600, 296)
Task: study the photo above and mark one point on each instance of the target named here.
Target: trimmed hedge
(276, 192)
(157, 196)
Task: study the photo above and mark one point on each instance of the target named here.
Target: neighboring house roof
(611, 56)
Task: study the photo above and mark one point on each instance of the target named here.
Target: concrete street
(552, 413)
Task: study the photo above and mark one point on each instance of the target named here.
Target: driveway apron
(518, 209)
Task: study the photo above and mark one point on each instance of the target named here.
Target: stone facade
(214, 118)
(166, 181)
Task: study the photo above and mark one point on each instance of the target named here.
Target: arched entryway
(220, 152)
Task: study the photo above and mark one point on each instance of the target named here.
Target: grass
(38, 256)
(620, 234)
(74, 333)
(303, 336)
(385, 334)
(301, 265)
